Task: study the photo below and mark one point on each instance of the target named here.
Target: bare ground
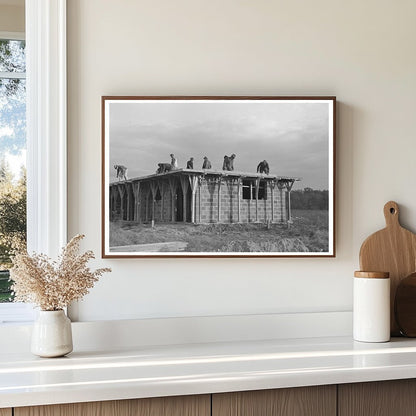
(308, 233)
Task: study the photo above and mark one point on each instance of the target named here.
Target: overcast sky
(291, 136)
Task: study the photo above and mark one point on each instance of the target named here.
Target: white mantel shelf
(148, 371)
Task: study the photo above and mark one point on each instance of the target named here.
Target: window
(12, 155)
(46, 136)
(249, 189)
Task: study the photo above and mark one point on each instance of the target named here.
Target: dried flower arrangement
(52, 285)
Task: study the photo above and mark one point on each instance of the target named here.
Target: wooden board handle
(391, 214)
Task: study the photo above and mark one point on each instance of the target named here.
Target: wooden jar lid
(372, 275)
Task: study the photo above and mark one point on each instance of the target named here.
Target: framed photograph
(218, 176)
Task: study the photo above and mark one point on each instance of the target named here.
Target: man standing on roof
(206, 164)
(190, 163)
(228, 162)
(263, 167)
(173, 161)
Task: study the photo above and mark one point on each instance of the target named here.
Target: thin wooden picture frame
(168, 191)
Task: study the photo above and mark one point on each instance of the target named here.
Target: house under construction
(202, 196)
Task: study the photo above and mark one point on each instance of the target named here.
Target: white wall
(361, 51)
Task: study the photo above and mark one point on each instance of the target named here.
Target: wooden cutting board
(393, 250)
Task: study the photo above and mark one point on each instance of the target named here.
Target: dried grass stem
(53, 285)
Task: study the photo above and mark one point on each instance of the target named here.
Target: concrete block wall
(229, 204)
(209, 202)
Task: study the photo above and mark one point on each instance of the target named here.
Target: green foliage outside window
(12, 223)
(12, 148)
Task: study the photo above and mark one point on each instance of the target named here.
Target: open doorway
(183, 212)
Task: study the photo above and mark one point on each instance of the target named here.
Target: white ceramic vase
(52, 334)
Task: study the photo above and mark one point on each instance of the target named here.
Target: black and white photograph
(218, 176)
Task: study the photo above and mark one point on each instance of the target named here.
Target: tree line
(12, 223)
(309, 198)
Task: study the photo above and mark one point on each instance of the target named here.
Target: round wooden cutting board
(392, 250)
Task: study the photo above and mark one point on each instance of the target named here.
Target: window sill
(16, 313)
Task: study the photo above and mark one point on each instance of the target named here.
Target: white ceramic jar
(371, 308)
(52, 334)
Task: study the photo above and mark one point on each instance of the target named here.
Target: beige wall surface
(361, 51)
(12, 18)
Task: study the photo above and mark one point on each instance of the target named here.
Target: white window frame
(46, 135)
(46, 125)
(12, 35)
